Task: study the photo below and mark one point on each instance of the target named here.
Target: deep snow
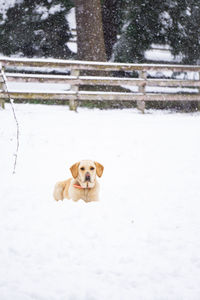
(140, 241)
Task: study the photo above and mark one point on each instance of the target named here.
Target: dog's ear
(99, 168)
(74, 169)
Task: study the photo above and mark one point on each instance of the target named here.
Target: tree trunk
(90, 38)
(110, 25)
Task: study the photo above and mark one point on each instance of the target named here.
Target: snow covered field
(141, 241)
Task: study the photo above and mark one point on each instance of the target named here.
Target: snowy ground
(141, 241)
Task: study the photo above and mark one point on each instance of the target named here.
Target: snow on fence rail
(135, 82)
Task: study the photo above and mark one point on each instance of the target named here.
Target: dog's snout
(87, 176)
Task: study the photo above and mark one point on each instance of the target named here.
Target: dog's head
(85, 172)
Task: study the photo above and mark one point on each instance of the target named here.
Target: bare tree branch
(15, 118)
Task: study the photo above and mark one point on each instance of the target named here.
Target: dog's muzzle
(87, 176)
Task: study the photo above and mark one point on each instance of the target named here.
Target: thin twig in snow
(15, 117)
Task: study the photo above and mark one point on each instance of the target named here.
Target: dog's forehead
(87, 163)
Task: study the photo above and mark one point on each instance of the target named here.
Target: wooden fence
(134, 82)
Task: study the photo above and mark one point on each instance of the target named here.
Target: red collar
(78, 186)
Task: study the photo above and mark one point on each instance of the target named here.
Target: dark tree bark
(90, 38)
(110, 25)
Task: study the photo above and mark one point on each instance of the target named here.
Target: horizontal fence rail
(98, 81)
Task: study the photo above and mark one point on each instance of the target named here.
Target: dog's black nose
(87, 176)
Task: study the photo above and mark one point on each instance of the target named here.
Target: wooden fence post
(2, 88)
(141, 103)
(198, 103)
(73, 103)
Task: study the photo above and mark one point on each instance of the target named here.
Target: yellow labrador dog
(83, 185)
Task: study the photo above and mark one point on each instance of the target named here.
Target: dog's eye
(82, 169)
(91, 168)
